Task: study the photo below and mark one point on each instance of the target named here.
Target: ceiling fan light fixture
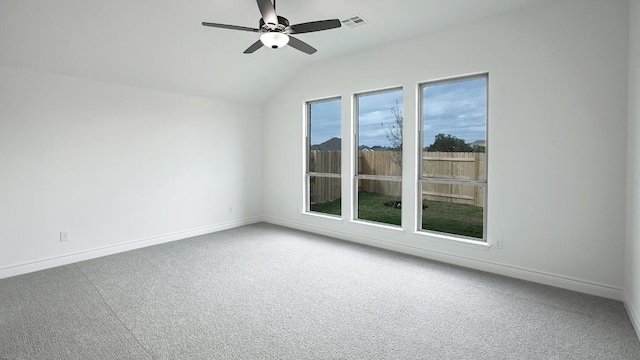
(274, 40)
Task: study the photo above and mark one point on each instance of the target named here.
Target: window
(379, 157)
(453, 170)
(323, 186)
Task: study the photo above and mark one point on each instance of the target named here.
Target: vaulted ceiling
(161, 44)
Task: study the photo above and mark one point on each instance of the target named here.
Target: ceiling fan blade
(251, 49)
(268, 12)
(230, 27)
(315, 26)
(301, 45)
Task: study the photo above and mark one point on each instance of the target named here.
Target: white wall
(114, 164)
(632, 261)
(557, 122)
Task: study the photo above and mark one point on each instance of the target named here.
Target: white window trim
(453, 239)
(357, 176)
(306, 209)
(484, 242)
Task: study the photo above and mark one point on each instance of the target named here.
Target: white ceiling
(161, 44)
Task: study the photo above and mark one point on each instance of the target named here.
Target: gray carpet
(267, 292)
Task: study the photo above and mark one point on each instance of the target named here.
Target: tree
(449, 143)
(394, 135)
(479, 149)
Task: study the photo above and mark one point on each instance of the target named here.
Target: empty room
(413, 179)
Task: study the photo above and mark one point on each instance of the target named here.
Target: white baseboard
(540, 277)
(501, 269)
(633, 314)
(118, 248)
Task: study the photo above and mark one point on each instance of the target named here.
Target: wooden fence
(448, 165)
(324, 189)
(387, 163)
(455, 166)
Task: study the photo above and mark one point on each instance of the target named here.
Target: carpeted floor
(267, 292)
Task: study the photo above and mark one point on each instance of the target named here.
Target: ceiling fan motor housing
(283, 24)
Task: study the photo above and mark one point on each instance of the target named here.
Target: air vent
(354, 21)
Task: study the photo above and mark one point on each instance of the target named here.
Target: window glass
(453, 208)
(325, 144)
(379, 157)
(324, 148)
(380, 201)
(325, 195)
(454, 156)
(380, 123)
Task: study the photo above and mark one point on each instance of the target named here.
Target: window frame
(307, 158)
(356, 144)
(434, 180)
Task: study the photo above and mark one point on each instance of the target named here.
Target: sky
(375, 117)
(325, 121)
(455, 108)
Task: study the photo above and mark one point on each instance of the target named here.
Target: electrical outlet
(64, 236)
(230, 210)
(498, 243)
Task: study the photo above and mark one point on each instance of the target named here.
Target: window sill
(481, 245)
(322, 216)
(371, 224)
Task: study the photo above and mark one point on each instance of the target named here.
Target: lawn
(460, 219)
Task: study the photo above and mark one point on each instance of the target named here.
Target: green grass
(459, 219)
(329, 207)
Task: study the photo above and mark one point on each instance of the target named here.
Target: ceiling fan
(276, 31)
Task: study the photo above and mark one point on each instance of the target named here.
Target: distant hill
(331, 144)
(335, 144)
